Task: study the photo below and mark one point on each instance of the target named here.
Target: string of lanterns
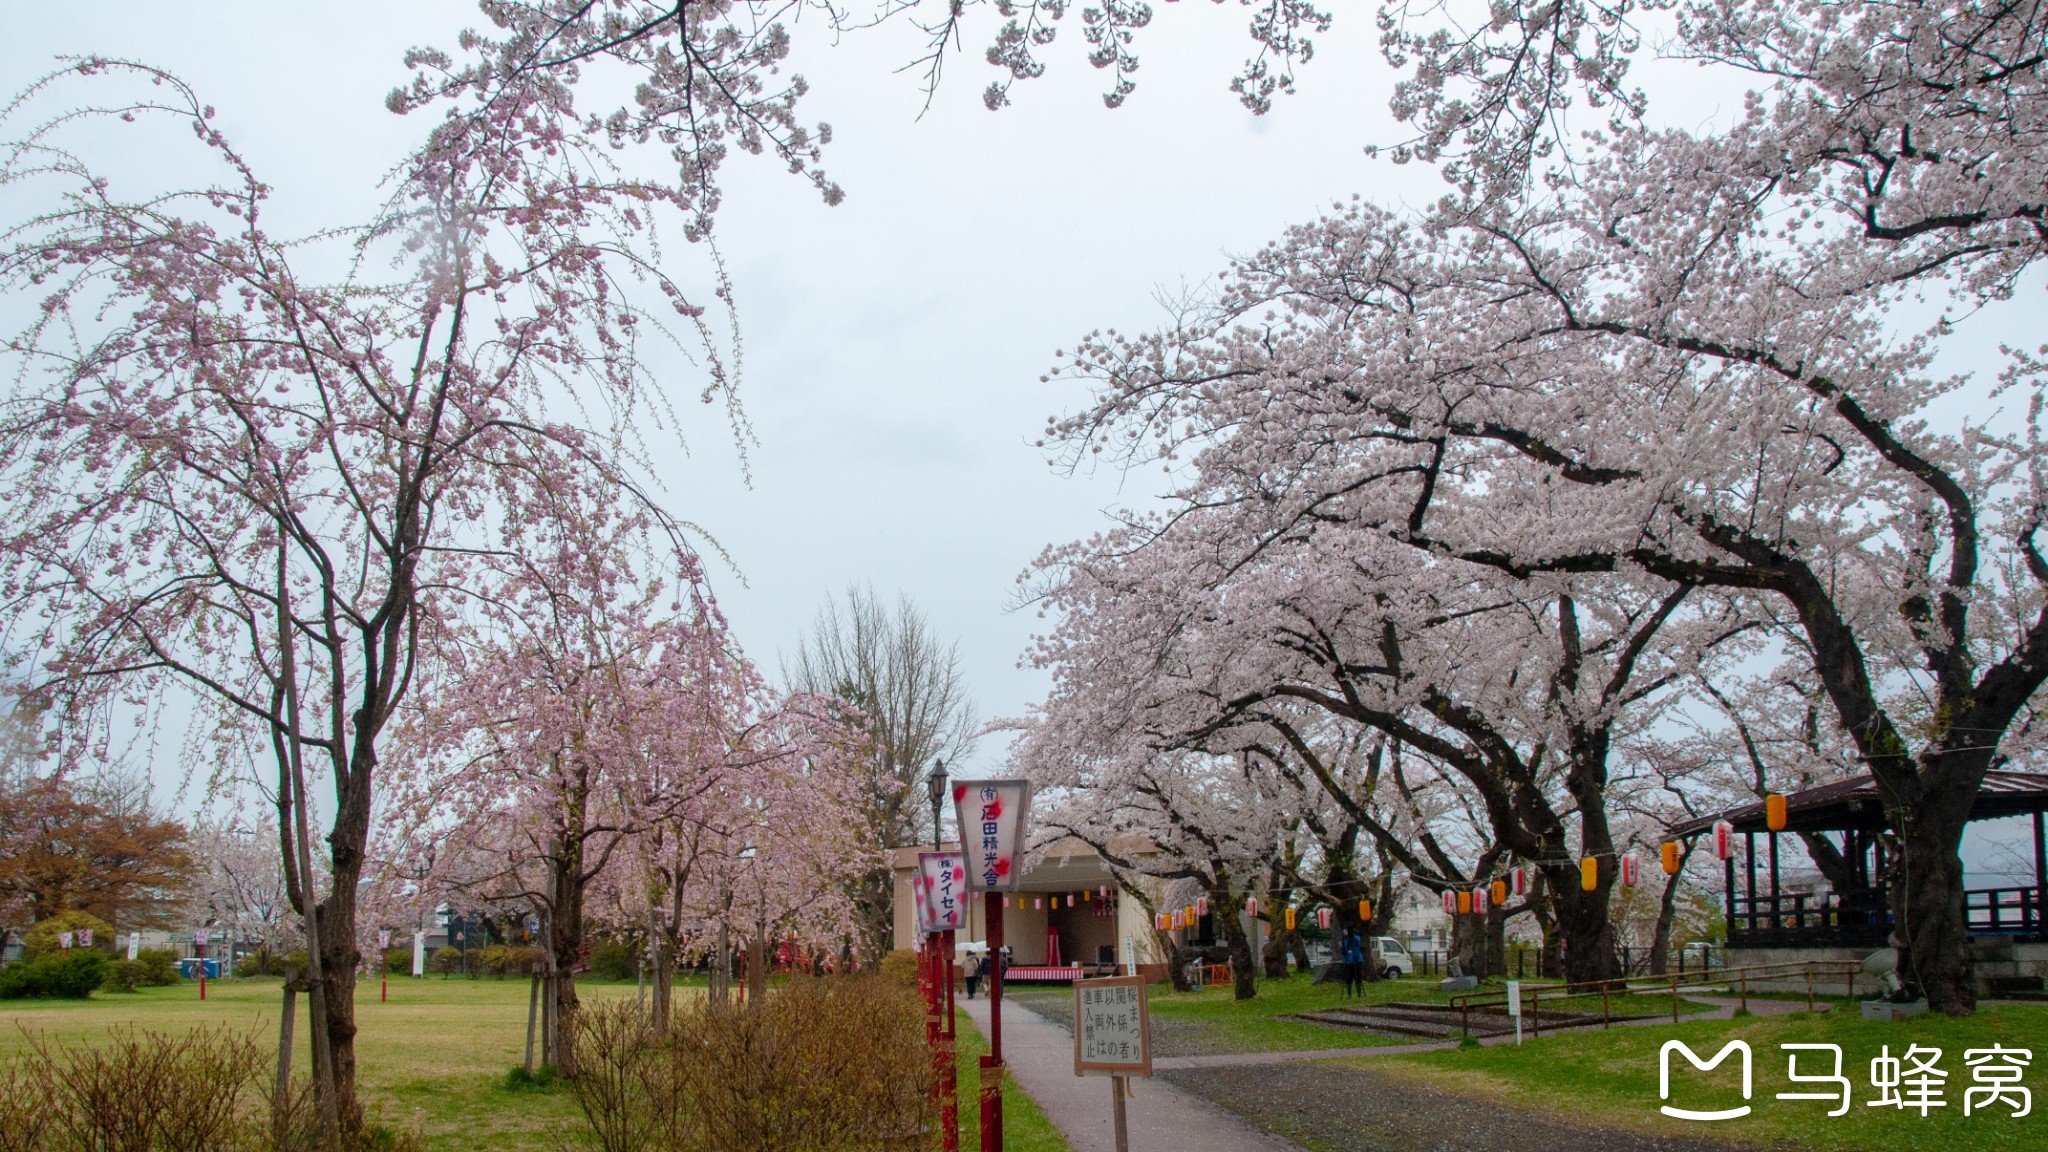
(1483, 898)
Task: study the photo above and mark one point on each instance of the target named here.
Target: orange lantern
(1290, 919)
(1365, 910)
(1589, 873)
(1188, 915)
(1500, 892)
(1669, 852)
(1464, 903)
(1774, 812)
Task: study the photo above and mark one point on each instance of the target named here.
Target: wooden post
(1604, 1019)
(1809, 987)
(532, 1018)
(1123, 1134)
(1674, 998)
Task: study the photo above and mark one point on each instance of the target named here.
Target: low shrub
(445, 960)
(398, 961)
(900, 967)
(836, 1063)
(159, 967)
(45, 937)
(542, 1079)
(72, 975)
(502, 960)
(200, 1091)
(615, 960)
(124, 976)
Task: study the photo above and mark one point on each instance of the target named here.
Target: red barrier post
(949, 1072)
(992, 1064)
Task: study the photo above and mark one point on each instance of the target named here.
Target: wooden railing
(1675, 984)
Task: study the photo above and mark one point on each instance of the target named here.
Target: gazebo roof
(1857, 803)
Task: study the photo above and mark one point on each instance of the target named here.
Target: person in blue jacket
(1352, 953)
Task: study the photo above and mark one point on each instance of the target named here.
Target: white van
(1393, 958)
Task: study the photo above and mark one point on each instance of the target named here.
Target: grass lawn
(1610, 1078)
(434, 1058)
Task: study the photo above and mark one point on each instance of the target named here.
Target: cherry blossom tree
(1691, 360)
(236, 482)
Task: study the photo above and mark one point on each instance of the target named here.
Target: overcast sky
(894, 343)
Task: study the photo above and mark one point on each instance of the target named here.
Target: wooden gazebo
(1848, 816)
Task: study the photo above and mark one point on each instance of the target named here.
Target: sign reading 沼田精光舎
(991, 815)
(1112, 1027)
(941, 895)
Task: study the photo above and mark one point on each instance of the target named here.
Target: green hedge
(72, 975)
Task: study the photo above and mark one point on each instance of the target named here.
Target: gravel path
(1349, 1109)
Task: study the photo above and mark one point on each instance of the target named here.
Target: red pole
(949, 1073)
(992, 1064)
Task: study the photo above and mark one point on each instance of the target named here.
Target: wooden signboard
(1112, 1027)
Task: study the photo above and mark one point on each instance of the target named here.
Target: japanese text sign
(1112, 1027)
(991, 814)
(941, 883)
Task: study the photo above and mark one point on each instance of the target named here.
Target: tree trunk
(1273, 953)
(1468, 944)
(1667, 909)
(662, 978)
(1496, 941)
(335, 998)
(1242, 984)
(1926, 893)
(1297, 947)
(1584, 929)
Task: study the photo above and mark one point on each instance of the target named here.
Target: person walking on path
(971, 973)
(1352, 954)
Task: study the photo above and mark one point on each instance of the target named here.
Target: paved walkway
(1161, 1118)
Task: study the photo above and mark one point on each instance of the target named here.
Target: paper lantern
(1202, 905)
(1251, 905)
(1589, 873)
(1479, 902)
(1518, 879)
(1499, 891)
(1038, 903)
(1103, 892)
(1630, 870)
(1365, 910)
(1323, 919)
(1290, 919)
(1464, 903)
(1724, 840)
(1669, 856)
(1774, 812)
(1450, 903)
